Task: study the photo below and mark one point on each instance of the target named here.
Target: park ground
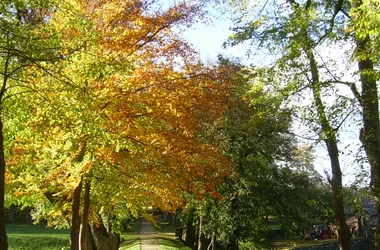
(29, 237)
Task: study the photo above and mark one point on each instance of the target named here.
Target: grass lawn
(37, 237)
(167, 238)
(130, 240)
(286, 244)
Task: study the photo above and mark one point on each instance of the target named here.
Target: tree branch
(5, 78)
(344, 119)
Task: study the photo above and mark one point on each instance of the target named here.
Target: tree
(353, 24)
(29, 38)
(120, 124)
(255, 136)
(298, 32)
(365, 29)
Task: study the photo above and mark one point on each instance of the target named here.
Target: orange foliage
(148, 104)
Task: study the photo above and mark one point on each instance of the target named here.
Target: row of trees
(258, 204)
(101, 107)
(106, 110)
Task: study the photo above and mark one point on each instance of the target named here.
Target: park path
(148, 237)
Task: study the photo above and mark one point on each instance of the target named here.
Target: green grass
(38, 237)
(130, 240)
(286, 244)
(167, 238)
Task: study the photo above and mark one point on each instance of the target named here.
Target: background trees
(258, 204)
(299, 34)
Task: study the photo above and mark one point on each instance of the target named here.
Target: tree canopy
(106, 110)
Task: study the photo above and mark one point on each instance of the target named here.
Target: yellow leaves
(130, 111)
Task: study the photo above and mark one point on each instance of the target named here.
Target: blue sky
(209, 37)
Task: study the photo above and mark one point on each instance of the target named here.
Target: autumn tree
(29, 38)
(120, 124)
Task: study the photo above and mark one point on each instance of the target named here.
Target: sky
(209, 37)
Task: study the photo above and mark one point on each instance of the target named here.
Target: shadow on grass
(287, 244)
(131, 238)
(167, 238)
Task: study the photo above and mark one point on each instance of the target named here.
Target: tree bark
(329, 137)
(75, 218)
(101, 237)
(84, 239)
(3, 234)
(115, 241)
(90, 239)
(200, 230)
(370, 132)
(189, 234)
(114, 237)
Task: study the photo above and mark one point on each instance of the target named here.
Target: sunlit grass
(28, 237)
(286, 244)
(167, 238)
(131, 238)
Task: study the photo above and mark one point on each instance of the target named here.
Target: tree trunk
(114, 237)
(11, 217)
(115, 241)
(101, 237)
(84, 239)
(336, 185)
(75, 218)
(370, 132)
(28, 217)
(188, 234)
(212, 245)
(90, 245)
(200, 233)
(203, 241)
(329, 137)
(3, 234)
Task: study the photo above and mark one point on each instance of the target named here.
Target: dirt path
(148, 237)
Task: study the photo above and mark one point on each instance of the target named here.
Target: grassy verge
(167, 238)
(28, 237)
(131, 238)
(286, 244)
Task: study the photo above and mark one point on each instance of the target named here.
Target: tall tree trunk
(115, 241)
(84, 239)
(370, 132)
(114, 237)
(90, 239)
(329, 137)
(188, 234)
(75, 218)
(101, 237)
(11, 217)
(200, 233)
(3, 234)
(212, 245)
